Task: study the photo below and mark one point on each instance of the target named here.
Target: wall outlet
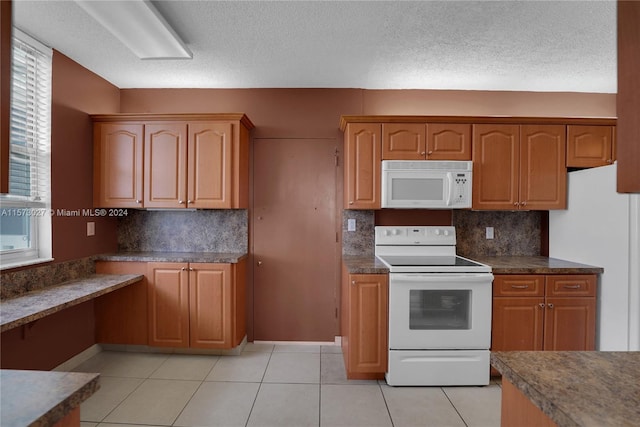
(91, 228)
(351, 224)
(489, 232)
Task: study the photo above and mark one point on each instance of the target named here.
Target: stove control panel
(417, 235)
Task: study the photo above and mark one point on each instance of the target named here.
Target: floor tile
(332, 370)
(219, 404)
(293, 368)
(259, 347)
(87, 424)
(352, 405)
(185, 367)
(154, 402)
(478, 406)
(295, 405)
(247, 367)
(124, 425)
(296, 348)
(424, 406)
(331, 349)
(112, 392)
(123, 364)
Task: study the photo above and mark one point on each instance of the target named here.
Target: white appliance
(426, 184)
(602, 227)
(439, 308)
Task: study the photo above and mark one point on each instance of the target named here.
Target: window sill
(17, 264)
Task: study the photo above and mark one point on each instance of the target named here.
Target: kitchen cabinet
(365, 324)
(544, 312)
(590, 146)
(362, 166)
(519, 167)
(431, 141)
(171, 161)
(198, 305)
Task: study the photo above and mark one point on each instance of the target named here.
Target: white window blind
(25, 223)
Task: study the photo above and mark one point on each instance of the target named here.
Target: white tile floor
(267, 385)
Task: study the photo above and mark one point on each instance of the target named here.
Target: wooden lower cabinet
(365, 324)
(544, 312)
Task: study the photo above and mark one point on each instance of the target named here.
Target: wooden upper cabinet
(496, 166)
(447, 141)
(543, 174)
(589, 146)
(210, 165)
(431, 141)
(118, 165)
(363, 152)
(211, 305)
(165, 168)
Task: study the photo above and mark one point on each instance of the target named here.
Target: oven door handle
(441, 277)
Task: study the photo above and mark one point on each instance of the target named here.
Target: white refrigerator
(602, 227)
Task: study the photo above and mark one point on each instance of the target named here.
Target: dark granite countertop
(42, 398)
(577, 388)
(35, 305)
(366, 264)
(210, 257)
(535, 265)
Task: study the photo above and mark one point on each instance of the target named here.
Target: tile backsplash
(515, 233)
(224, 230)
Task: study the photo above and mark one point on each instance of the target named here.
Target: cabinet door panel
(496, 166)
(210, 168)
(168, 304)
(589, 146)
(448, 141)
(368, 320)
(403, 141)
(517, 324)
(581, 285)
(543, 174)
(211, 310)
(165, 184)
(570, 324)
(118, 165)
(521, 285)
(363, 153)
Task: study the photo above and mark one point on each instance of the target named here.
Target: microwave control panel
(461, 189)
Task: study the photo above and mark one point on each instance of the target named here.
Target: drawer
(508, 285)
(580, 285)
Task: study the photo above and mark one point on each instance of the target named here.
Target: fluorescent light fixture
(139, 25)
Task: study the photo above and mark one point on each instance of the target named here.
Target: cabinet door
(363, 167)
(168, 305)
(496, 166)
(403, 141)
(570, 324)
(210, 305)
(517, 324)
(118, 165)
(448, 141)
(368, 323)
(543, 174)
(210, 165)
(165, 173)
(589, 146)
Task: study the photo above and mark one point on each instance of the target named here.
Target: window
(25, 220)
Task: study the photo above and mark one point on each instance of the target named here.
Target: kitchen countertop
(35, 305)
(369, 264)
(209, 257)
(42, 398)
(577, 388)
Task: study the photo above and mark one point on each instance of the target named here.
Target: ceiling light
(139, 25)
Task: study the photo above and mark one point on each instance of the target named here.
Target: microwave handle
(450, 188)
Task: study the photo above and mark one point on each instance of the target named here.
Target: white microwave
(426, 184)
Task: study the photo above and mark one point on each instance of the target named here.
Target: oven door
(439, 311)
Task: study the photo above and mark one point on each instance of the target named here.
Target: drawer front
(511, 285)
(580, 285)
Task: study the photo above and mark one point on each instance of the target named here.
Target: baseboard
(78, 359)
(172, 350)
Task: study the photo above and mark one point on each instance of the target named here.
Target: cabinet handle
(550, 305)
(520, 286)
(423, 153)
(571, 286)
(181, 202)
(541, 305)
(430, 152)
(516, 204)
(523, 203)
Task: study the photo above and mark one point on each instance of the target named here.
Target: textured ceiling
(475, 45)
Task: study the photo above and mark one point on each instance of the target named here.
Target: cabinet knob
(351, 202)
(181, 202)
(259, 263)
(183, 269)
(541, 305)
(609, 161)
(524, 203)
(550, 305)
(189, 201)
(430, 152)
(138, 201)
(516, 204)
(191, 269)
(353, 282)
(423, 153)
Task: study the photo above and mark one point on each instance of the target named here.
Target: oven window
(439, 309)
(417, 189)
